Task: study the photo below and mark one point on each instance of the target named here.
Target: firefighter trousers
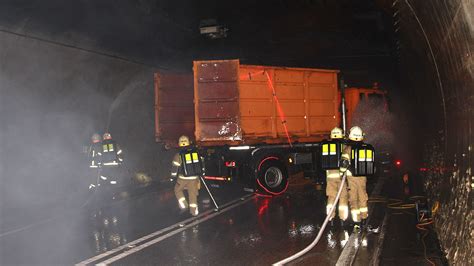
(358, 197)
(333, 182)
(192, 185)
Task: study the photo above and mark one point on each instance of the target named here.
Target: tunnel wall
(436, 66)
(53, 98)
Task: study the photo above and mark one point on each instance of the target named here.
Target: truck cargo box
(174, 107)
(245, 104)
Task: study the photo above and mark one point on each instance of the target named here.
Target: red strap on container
(281, 114)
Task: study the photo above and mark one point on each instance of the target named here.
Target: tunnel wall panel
(437, 66)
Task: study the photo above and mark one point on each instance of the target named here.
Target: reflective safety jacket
(331, 151)
(94, 154)
(362, 157)
(187, 164)
(111, 153)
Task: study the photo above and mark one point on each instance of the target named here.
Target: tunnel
(72, 69)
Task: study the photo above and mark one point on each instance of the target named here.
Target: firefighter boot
(357, 227)
(343, 223)
(363, 224)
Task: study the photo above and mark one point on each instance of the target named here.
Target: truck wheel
(272, 176)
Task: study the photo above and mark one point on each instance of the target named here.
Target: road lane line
(349, 252)
(351, 248)
(375, 261)
(28, 226)
(142, 239)
(156, 233)
(161, 238)
(56, 216)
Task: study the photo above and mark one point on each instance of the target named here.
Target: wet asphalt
(259, 231)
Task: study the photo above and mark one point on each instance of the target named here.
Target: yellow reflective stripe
(355, 215)
(352, 154)
(325, 149)
(111, 147)
(364, 209)
(345, 156)
(187, 157)
(181, 202)
(370, 155)
(332, 149)
(328, 208)
(195, 157)
(343, 212)
(361, 155)
(188, 177)
(333, 174)
(104, 148)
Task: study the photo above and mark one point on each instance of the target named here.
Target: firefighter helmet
(107, 135)
(356, 134)
(336, 133)
(95, 138)
(183, 141)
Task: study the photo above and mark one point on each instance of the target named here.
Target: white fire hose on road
(320, 233)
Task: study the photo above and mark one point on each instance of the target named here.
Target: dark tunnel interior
(69, 69)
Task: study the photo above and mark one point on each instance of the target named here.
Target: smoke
(123, 95)
(53, 99)
(377, 122)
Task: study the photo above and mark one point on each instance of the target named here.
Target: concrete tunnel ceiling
(421, 51)
(356, 37)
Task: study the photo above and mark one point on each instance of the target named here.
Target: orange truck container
(251, 123)
(245, 104)
(174, 107)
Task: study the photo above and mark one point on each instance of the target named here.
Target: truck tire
(272, 176)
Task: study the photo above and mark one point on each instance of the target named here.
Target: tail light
(230, 164)
(218, 178)
(398, 163)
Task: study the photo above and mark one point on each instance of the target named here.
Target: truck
(253, 124)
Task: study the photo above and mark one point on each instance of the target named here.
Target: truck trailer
(253, 124)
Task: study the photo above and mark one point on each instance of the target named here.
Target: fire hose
(321, 230)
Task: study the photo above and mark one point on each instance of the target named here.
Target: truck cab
(357, 95)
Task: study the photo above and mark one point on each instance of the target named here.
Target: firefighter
(186, 169)
(333, 178)
(94, 154)
(356, 153)
(111, 159)
(95, 151)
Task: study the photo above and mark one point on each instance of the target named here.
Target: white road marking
(27, 226)
(349, 251)
(161, 238)
(181, 226)
(375, 260)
